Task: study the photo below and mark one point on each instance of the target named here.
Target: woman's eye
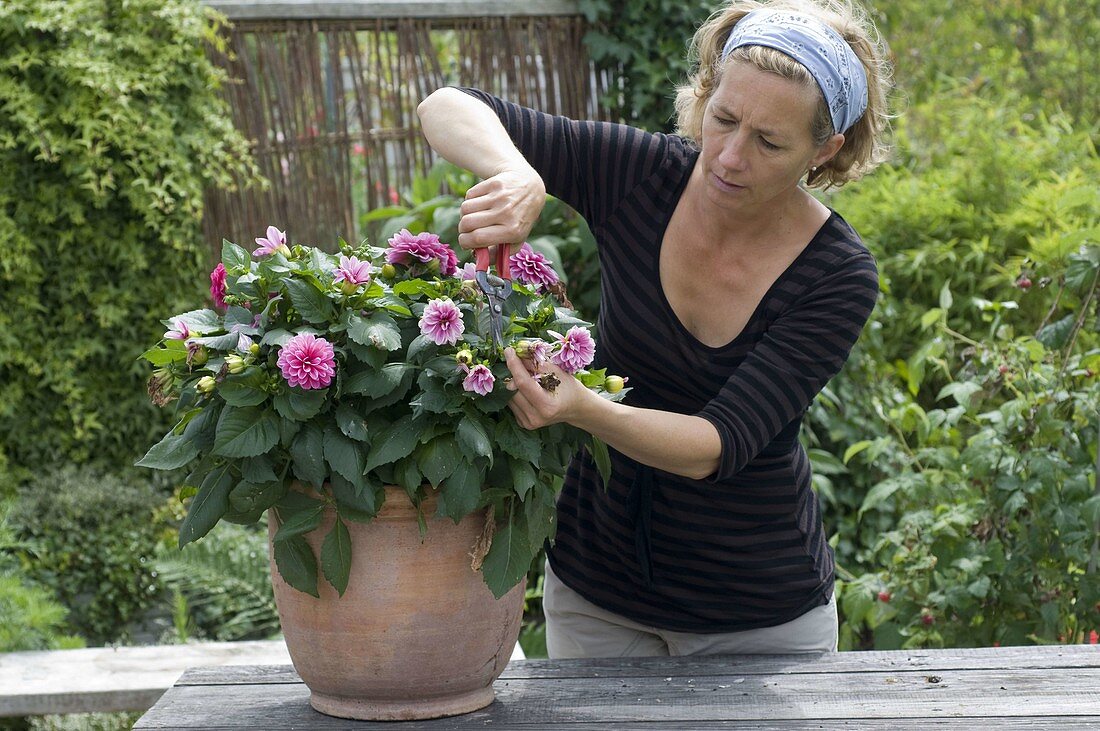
(724, 121)
(768, 145)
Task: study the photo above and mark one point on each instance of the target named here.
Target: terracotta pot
(416, 635)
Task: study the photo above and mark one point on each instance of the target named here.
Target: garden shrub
(90, 538)
(111, 128)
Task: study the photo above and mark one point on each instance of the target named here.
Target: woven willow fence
(327, 92)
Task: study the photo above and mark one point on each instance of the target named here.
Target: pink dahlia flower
(442, 322)
(307, 361)
(353, 271)
(217, 286)
(275, 241)
(530, 267)
(574, 350)
(479, 379)
(467, 272)
(405, 247)
(178, 331)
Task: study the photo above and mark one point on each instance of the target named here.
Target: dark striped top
(744, 548)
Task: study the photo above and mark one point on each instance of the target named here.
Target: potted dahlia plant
(323, 390)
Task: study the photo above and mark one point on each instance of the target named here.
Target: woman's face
(756, 141)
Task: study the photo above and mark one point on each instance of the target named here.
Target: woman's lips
(723, 185)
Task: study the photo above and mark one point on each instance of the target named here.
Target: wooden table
(1054, 687)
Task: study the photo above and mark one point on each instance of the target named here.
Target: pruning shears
(496, 287)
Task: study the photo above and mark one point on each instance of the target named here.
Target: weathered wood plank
(1076, 656)
(1027, 694)
(105, 679)
(238, 10)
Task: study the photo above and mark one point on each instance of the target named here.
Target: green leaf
(508, 559)
(395, 442)
(438, 459)
(855, 449)
(171, 452)
(259, 469)
(208, 506)
(517, 441)
(276, 338)
(878, 494)
(169, 354)
(244, 389)
(201, 322)
(307, 453)
(352, 423)
(336, 556)
(602, 458)
(359, 502)
(1055, 335)
(343, 454)
(299, 404)
(297, 565)
(961, 391)
(460, 493)
(300, 523)
(523, 477)
(245, 432)
(311, 303)
(473, 438)
(377, 384)
(250, 496)
(234, 257)
(378, 330)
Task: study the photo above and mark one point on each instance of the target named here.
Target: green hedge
(111, 127)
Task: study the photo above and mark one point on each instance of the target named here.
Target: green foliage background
(111, 128)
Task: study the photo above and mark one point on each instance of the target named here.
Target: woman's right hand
(501, 209)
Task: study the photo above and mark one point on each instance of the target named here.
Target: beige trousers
(575, 627)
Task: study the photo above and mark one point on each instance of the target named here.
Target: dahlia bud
(464, 357)
(254, 349)
(614, 384)
(389, 271)
(348, 288)
(235, 363)
(196, 353)
(470, 290)
(433, 266)
(522, 348)
(206, 385)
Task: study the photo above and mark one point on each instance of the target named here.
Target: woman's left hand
(535, 406)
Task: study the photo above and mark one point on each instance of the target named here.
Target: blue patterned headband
(811, 42)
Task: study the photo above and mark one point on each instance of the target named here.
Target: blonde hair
(864, 145)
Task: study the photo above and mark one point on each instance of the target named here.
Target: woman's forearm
(678, 443)
(466, 132)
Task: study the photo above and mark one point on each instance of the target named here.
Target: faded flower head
(479, 379)
(424, 247)
(178, 330)
(307, 361)
(574, 350)
(274, 242)
(353, 271)
(217, 286)
(530, 267)
(442, 322)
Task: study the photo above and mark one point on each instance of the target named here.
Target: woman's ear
(828, 150)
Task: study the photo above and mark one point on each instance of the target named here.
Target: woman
(730, 297)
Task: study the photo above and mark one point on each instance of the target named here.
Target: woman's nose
(732, 154)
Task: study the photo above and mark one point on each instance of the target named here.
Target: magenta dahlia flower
(479, 379)
(574, 350)
(467, 272)
(353, 271)
(275, 241)
(424, 247)
(217, 286)
(530, 267)
(307, 361)
(442, 322)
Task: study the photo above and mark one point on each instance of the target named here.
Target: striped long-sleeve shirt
(745, 547)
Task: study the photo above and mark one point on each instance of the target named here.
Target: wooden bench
(106, 679)
(1056, 688)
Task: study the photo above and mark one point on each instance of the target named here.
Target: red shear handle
(503, 251)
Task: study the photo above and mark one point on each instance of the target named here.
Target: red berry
(928, 619)
(884, 596)
(1094, 638)
(1023, 282)
(1003, 369)
(996, 643)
